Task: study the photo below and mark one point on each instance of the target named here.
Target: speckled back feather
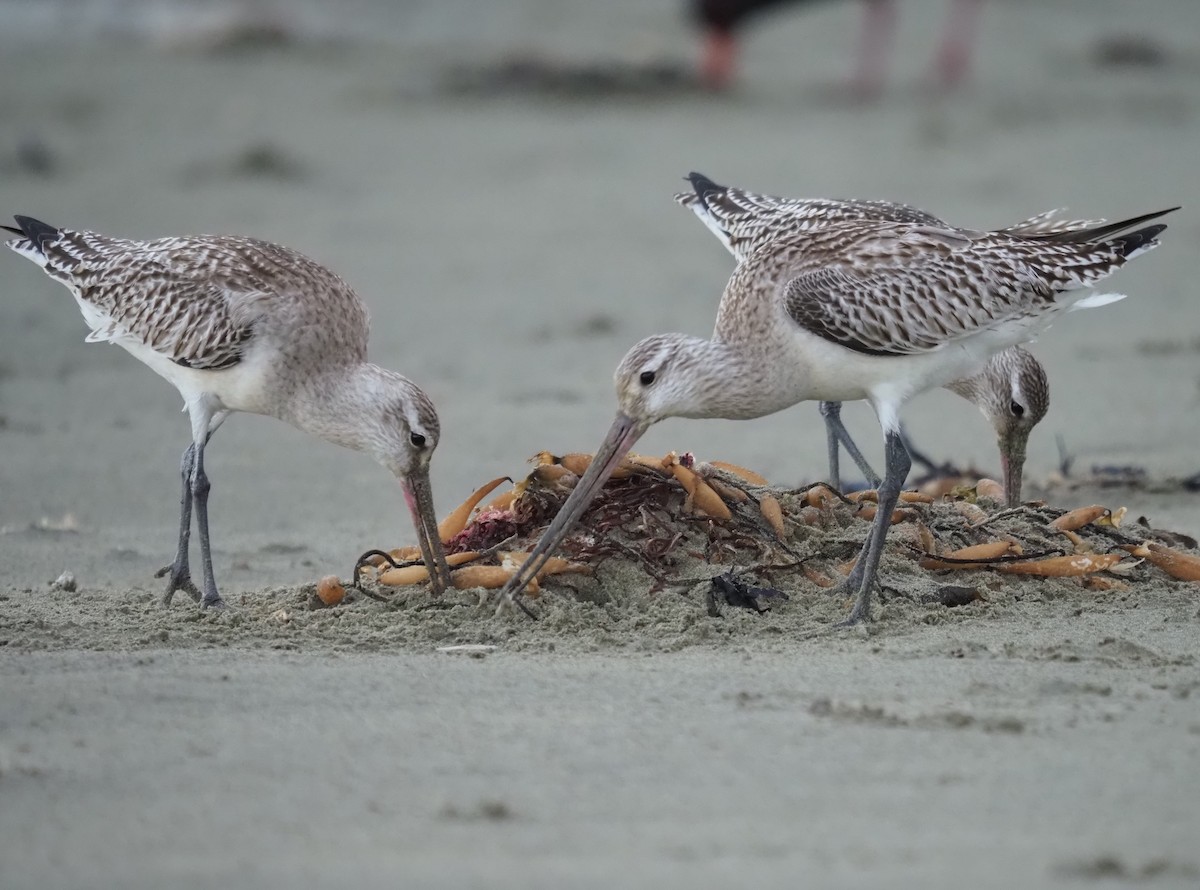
(744, 220)
(199, 300)
(885, 288)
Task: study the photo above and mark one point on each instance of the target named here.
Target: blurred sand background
(511, 245)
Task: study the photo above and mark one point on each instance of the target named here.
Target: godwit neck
(369, 409)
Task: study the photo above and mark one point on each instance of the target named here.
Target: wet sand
(510, 249)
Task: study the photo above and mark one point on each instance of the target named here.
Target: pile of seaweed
(723, 535)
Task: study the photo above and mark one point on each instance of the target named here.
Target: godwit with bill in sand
(238, 324)
(854, 309)
(1011, 390)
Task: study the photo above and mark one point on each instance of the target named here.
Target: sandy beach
(512, 241)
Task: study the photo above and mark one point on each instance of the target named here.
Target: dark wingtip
(1132, 241)
(703, 186)
(38, 232)
(1099, 233)
(11, 229)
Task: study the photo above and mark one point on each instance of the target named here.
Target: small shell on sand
(330, 590)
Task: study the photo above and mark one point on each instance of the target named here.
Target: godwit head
(1013, 393)
(385, 415)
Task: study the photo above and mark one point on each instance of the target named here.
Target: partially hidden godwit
(854, 309)
(238, 324)
(1011, 390)
(723, 20)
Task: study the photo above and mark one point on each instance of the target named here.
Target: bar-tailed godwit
(238, 324)
(855, 309)
(1011, 390)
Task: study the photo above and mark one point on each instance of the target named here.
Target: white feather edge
(1094, 300)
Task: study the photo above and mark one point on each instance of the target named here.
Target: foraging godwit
(857, 309)
(721, 20)
(238, 324)
(1011, 390)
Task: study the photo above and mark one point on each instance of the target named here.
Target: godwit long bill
(1011, 391)
(858, 309)
(238, 324)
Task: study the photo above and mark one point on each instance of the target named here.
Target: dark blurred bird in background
(723, 20)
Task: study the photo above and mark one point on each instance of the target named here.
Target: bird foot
(509, 603)
(180, 578)
(851, 588)
(858, 616)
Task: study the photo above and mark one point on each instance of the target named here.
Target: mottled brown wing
(934, 291)
(192, 319)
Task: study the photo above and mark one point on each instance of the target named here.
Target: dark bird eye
(1017, 409)
(647, 378)
(417, 439)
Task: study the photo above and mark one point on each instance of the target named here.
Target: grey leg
(832, 412)
(836, 434)
(898, 463)
(178, 573)
(200, 489)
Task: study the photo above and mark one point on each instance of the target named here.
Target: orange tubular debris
(700, 494)
(502, 501)
(769, 506)
(644, 461)
(403, 577)
(1181, 566)
(741, 472)
(555, 565)
(457, 520)
(1079, 517)
(575, 462)
(987, 551)
(871, 495)
(728, 492)
(489, 577)
(1062, 566)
